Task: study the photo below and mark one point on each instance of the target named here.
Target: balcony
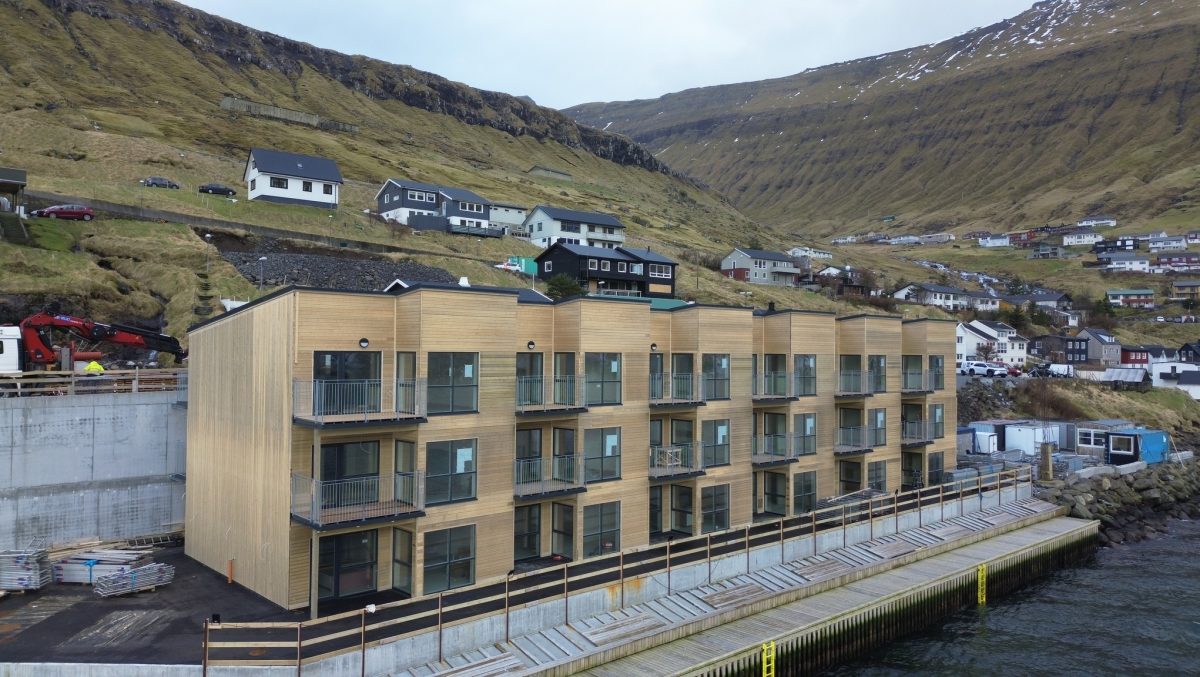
(853, 440)
(804, 384)
(676, 390)
(852, 383)
(776, 449)
(327, 504)
(483, 231)
(540, 477)
(916, 382)
(537, 395)
(358, 402)
(772, 385)
(916, 433)
(675, 461)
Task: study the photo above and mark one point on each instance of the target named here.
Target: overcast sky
(564, 52)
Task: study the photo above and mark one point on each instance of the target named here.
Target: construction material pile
(90, 565)
(24, 569)
(134, 580)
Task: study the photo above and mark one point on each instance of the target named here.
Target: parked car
(217, 189)
(1001, 368)
(981, 369)
(1047, 370)
(77, 212)
(1160, 318)
(160, 182)
(1013, 370)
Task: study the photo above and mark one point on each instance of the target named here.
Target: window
(306, 186)
(277, 182)
(620, 266)
(937, 366)
(603, 372)
(253, 184)
(1089, 438)
(527, 532)
(601, 454)
(660, 270)
(605, 265)
(569, 228)
(877, 475)
(877, 372)
(935, 468)
(716, 376)
(804, 492)
(593, 264)
(656, 509)
(878, 432)
(449, 558)
(449, 471)
(421, 196)
(346, 564)
(681, 509)
(387, 197)
(530, 382)
(402, 553)
(806, 434)
(775, 493)
(346, 382)
(529, 451)
(714, 508)
(562, 530)
(715, 438)
(453, 382)
(937, 415)
(850, 475)
(548, 266)
(806, 374)
(635, 269)
(471, 207)
(601, 529)
(775, 375)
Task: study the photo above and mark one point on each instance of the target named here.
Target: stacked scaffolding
(24, 569)
(146, 577)
(88, 566)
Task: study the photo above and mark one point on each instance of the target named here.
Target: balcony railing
(804, 445)
(877, 381)
(851, 439)
(354, 401)
(541, 394)
(676, 388)
(916, 381)
(916, 432)
(323, 503)
(851, 382)
(804, 384)
(556, 474)
(772, 385)
(464, 229)
(674, 460)
(771, 449)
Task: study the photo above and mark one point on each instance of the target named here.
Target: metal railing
(851, 382)
(346, 401)
(877, 381)
(325, 502)
(771, 449)
(538, 393)
(851, 439)
(804, 384)
(876, 437)
(674, 459)
(916, 381)
(676, 388)
(804, 445)
(771, 384)
(915, 432)
(464, 229)
(634, 293)
(533, 476)
(53, 383)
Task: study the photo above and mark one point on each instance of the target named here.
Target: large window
(935, 468)
(804, 492)
(449, 471)
(775, 375)
(601, 529)
(453, 382)
(714, 508)
(937, 368)
(402, 553)
(562, 530)
(806, 434)
(806, 375)
(850, 476)
(681, 509)
(715, 438)
(449, 558)
(346, 382)
(306, 186)
(603, 378)
(527, 531)
(659, 270)
(937, 415)
(877, 433)
(349, 473)
(346, 564)
(877, 475)
(530, 385)
(775, 493)
(716, 376)
(877, 372)
(277, 182)
(656, 509)
(602, 454)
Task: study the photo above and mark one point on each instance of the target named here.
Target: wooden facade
(250, 437)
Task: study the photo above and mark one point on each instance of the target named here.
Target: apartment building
(357, 447)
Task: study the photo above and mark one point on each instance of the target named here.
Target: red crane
(35, 335)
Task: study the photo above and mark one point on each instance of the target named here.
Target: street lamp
(207, 251)
(260, 273)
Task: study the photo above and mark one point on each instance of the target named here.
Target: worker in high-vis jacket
(93, 368)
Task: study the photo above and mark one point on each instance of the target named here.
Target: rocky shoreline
(1134, 506)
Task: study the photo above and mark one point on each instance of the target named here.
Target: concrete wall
(82, 467)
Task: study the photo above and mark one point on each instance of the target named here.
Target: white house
(1151, 235)
(936, 238)
(982, 301)
(288, 178)
(1007, 345)
(968, 339)
(1099, 221)
(547, 225)
(831, 271)
(939, 296)
(1086, 238)
(1189, 382)
(1126, 262)
(905, 239)
(1166, 374)
(994, 241)
(797, 252)
(1173, 243)
(510, 217)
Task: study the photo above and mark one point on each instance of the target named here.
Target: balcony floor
(347, 421)
(552, 410)
(367, 513)
(668, 476)
(530, 491)
(850, 450)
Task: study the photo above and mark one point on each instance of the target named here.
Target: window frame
(306, 186)
(805, 371)
(279, 182)
(451, 448)
(716, 386)
(608, 522)
(450, 561)
(714, 506)
(804, 492)
(709, 440)
(609, 463)
(605, 382)
(877, 475)
(433, 407)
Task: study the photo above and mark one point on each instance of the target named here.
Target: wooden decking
(669, 617)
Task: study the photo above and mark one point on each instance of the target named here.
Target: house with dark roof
(1048, 300)
(12, 188)
(1102, 346)
(1190, 352)
(290, 178)
(1122, 243)
(1147, 354)
(546, 225)
(425, 206)
(759, 266)
(1097, 221)
(620, 271)
(1130, 298)
(937, 295)
(1189, 382)
(1060, 348)
(1185, 290)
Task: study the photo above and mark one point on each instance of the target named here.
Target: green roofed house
(1130, 298)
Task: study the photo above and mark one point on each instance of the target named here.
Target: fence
(302, 643)
(112, 381)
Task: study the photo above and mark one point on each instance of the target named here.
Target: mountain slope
(1070, 107)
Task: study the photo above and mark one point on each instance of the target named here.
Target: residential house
(810, 252)
(939, 296)
(1172, 243)
(510, 217)
(1189, 382)
(1098, 221)
(1102, 346)
(976, 235)
(547, 225)
(904, 239)
(1010, 347)
(758, 266)
(831, 271)
(994, 241)
(1082, 238)
(1178, 261)
(536, 433)
(982, 301)
(1064, 318)
(845, 239)
(1048, 300)
(1061, 348)
(1147, 354)
(1124, 262)
(1190, 352)
(622, 271)
(1124, 243)
(1152, 235)
(1186, 290)
(1047, 251)
(936, 238)
(1023, 238)
(12, 189)
(1166, 374)
(1193, 237)
(1130, 298)
(424, 206)
(968, 340)
(290, 178)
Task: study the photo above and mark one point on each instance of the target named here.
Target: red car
(77, 212)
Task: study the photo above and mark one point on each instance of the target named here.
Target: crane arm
(37, 350)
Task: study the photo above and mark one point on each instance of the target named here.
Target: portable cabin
(1129, 445)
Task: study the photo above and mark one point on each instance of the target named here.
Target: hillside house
(968, 339)
(831, 271)
(1193, 237)
(1081, 239)
(1064, 318)
(1011, 347)
(1178, 261)
(758, 266)
(810, 252)
(994, 241)
(904, 240)
(1148, 354)
(983, 302)
(1060, 348)
(976, 235)
(1130, 298)
(1048, 300)
(620, 271)
(1098, 221)
(1154, 234)
(1171, 243)
(510, 217)
(1125, 262)
(424, 206)
(1190, 352)
(547, 225)
(290, 178)
(1023, 238)
(936, 295)
(936, 238)
(1124, 243)
(12, 188)
(1166, 374)
(1185, 290)
(1189, 382)
(1102, 346)
(1047, 251)
(845, 239)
